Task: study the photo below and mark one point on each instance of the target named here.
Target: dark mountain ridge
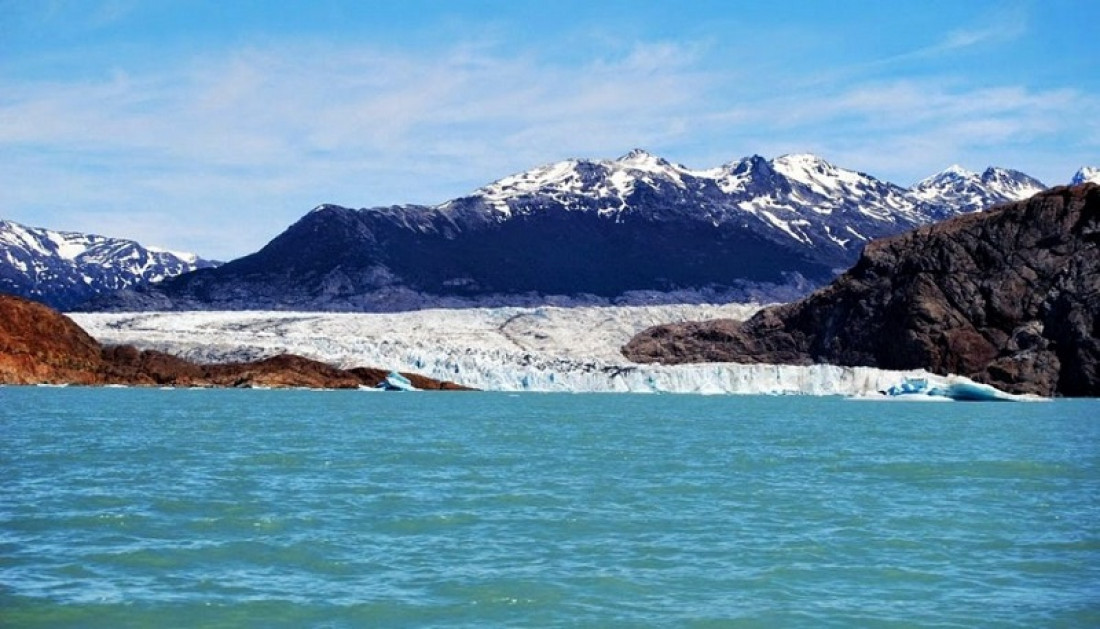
(638, 229)
(371, 259)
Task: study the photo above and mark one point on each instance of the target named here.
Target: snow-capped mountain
(803, 196)
(634, 229)
(1087, 174)
(63, 269)
(753, 185)
(966, 191)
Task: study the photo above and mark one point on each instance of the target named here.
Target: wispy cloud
(906, 129)
(1007, 25)
(253, 137)
(361, 124)
(258, 106)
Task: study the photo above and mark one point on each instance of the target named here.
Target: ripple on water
(290, 509)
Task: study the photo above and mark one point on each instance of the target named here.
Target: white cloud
(368, 126)
(219, 153)
(902, 130)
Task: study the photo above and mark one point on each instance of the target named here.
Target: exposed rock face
(41, 346)
(1010, 297)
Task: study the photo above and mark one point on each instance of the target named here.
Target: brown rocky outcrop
(1009, 297)
(41, 346)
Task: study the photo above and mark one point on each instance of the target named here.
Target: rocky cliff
(41, 346)
(1010, 297)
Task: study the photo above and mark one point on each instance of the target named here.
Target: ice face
(498, 349)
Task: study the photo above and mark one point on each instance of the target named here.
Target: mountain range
(63, 269)
(637, 229)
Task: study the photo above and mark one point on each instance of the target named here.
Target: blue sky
(212, 126)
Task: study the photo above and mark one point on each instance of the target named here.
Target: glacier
(547, 349)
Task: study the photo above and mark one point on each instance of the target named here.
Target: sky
(211, 126)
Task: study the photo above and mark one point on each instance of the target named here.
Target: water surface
(130, 507)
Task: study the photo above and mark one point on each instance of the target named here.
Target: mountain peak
(957, 170)
(819, 176)
(643, 160)
(953, 175)
(752, 162)
(800, 158)
(968, 191)
(636, 154)
(1086, 174)
(994, 171)
(805, 164)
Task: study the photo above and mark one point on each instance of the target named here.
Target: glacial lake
(138, 507)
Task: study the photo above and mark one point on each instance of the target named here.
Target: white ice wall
(501, 349)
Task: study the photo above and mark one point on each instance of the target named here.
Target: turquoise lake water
(126, 507)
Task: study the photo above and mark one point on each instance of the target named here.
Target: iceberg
(396, 382)
(949, 388)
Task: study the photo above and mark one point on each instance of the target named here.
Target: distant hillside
(63, 269)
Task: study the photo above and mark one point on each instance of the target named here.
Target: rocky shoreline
(39, 345)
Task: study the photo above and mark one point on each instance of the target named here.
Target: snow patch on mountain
(569, 182)
(1087, 174)
(185, 256)
(820, 176)
(643, 161)
(558, 177)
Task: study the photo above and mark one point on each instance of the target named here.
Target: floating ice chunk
(949, 388)
(396, 382)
